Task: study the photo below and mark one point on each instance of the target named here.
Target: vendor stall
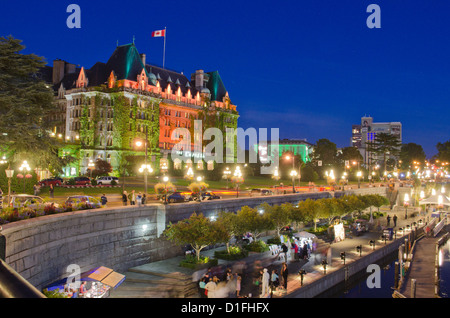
(95, 283)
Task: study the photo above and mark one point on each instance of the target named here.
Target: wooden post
(436, 271)
(2, 246)
(413, 288)
(397, 275)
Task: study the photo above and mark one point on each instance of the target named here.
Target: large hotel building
(102, 111)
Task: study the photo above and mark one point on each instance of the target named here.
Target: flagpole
(164, 52)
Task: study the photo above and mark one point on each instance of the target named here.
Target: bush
(274, 240)
(257, 246)
(192, 262)
(235, 253)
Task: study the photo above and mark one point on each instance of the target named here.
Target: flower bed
(10, 214)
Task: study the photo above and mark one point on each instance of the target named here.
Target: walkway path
(166, 270)
(423, 268)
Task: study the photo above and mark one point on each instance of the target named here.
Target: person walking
(238, 285)
(144, 198)
(388, 220)
(104, 200)
(51, 191)
(395, 220)
(265, 284)
(132, 197)
(284, 274)
(139, 199)
(124, 198)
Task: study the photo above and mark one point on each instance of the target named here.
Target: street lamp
(199, 179)
(359, 174)
(226, 174)
(165, 180)
(359, 249)
(238, 179)
(343, 256)
(24, 167)
(146, 169)
(324, 264)
(293, 175)
(406, 203)
(372, 243)
(91, 166)
(9, 174)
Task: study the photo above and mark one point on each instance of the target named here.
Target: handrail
(12, 285)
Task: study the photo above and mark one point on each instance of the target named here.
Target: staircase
(144, 283)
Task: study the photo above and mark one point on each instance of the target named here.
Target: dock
(423, 269)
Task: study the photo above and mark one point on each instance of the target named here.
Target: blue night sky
(309, 68)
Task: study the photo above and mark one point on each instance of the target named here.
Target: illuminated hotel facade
(101, 112)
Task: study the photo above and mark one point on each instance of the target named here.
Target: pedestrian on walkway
(132, 198)
(124, 198)
(395, 220)
(238, 285)
(388, 220)
(211, 287)
(144, 198)
(139, 199)
(50, 191)
(265, 284)
(104, 200)
(284, 273)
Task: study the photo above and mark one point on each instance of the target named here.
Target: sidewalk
(313, 266)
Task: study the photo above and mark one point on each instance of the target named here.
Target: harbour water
(358, 287)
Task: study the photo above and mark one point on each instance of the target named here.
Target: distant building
(298, 147)
(364, 134)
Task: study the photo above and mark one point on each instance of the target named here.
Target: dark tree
(25, 102)
(411, 152)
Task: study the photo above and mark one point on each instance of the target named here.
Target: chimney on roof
(58, 70)
(199, 79)
(143, 58)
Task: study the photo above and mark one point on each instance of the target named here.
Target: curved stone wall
(41, 249)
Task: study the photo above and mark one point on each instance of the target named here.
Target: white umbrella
(440, 199)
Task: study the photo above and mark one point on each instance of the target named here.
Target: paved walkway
(312, 266)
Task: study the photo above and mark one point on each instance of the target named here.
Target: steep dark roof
(216, 86)
(164, 75)
(125, 62)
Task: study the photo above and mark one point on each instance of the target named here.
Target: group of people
(133, 198)
(302, 248)
(228, 286)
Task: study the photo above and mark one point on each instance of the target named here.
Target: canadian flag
(159, 33)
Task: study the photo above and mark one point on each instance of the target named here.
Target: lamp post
(165, 180)
(238, 179)
(145, 169)
(287, 157)
(324, 264)
(24, 167)
(343, 256)
(226, 174)
(406, 203)
(9, 174)
(359, 249)
(199, 179)
(293, 175)
(359, 174)
(91, 166)
(276, 177)
(372, 243)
